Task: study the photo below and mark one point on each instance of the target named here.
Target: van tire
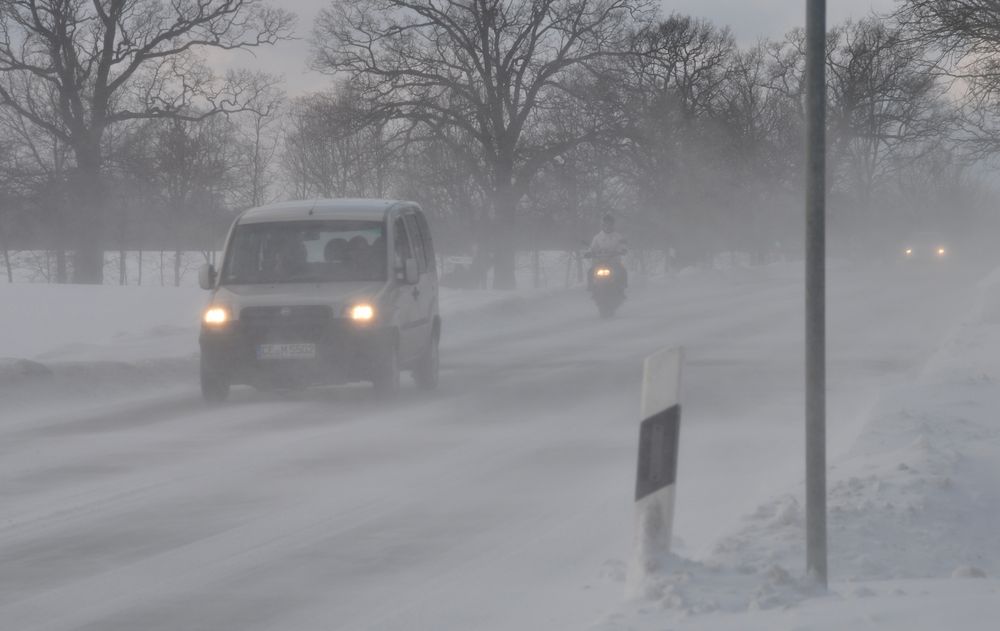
(426, 372)
(214, 387)
(386, 377)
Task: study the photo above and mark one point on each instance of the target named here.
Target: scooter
(606, 288)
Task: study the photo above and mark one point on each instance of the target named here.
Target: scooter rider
(610, 246)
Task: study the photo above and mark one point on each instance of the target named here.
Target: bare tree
(6, 207)
(258, 130)
(35, 174)
(483, 66)
(966, 36)
(763, 140)
(195, 164)
(686, 58)
(964, 29)
(886, 112)
(337, 145)
(673, 146)
(113, 61)
(433, 173)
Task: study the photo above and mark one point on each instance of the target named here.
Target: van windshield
(306, 252)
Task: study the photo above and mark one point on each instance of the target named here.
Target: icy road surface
(494, 503)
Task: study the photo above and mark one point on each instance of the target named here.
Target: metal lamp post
(816, 551)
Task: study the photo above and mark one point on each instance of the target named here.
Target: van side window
(401, 245)
(418, 246)
(425, 237)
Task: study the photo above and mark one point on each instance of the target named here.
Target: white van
(322, 292)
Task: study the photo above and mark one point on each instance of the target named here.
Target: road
(501, 501)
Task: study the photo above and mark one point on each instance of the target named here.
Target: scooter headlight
(602, 272)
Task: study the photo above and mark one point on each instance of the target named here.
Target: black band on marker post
(658, 440)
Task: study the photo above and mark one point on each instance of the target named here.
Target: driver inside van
(290, 258)
(335, 251)
(377, 256)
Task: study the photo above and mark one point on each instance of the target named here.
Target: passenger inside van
(358, 253)
(335, 251)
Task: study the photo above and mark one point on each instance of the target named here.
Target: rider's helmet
(608, 222)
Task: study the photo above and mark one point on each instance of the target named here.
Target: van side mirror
(410, 272)
(206, 276)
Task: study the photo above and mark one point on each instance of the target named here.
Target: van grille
(306, 323)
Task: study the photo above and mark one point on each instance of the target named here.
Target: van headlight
(216, 316)
(362, 313)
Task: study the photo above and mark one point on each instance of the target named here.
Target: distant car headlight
(602, 272)
(216, 316)
(362, 312)
(909, 251)
(942, 252)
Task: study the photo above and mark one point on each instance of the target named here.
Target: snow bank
(916, 496)
(77, 322)
(908, 605)
(913, 509)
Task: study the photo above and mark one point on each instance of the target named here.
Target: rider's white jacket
(608, 244)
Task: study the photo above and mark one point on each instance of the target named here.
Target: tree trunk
(59, 232)
(88, 262)
(6, 262)
(536, 268)
(504, 215)
(88, 259)
(61, 274)
(177, 267)
(6, 255)
(504, 258)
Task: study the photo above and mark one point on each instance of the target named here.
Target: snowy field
(503, 501)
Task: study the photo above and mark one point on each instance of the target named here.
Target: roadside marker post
(656, 473)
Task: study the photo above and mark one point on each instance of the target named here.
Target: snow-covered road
(495, 503)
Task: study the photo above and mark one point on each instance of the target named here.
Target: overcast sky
(750, 20)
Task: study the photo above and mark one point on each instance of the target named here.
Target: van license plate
(286, 351)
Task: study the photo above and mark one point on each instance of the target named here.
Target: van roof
(313, 209)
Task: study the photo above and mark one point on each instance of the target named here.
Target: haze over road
(478, 506)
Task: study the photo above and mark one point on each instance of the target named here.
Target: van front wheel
(214, 387)
(386, 377)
